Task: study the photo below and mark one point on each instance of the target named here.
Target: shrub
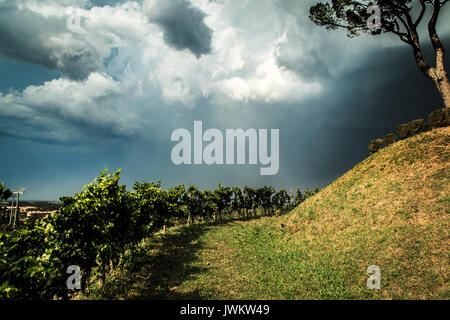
(93, 228)
(281, 199)
(374, 145)
(403, 130)
(416, 126)
(4, 193)
(439, 118)
(25, 272)
(4, 216)
(151, 200)
(427, 127)
(389, 138)
(299, 197)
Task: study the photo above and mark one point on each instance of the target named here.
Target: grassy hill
(390, 210)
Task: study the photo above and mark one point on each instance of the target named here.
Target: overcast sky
(109, 95)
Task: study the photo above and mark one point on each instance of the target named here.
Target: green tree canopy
(4, 192)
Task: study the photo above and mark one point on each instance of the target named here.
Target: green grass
(391, 210)
(237, 259)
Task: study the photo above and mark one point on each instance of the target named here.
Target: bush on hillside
(403, 130)
(416, 126)
(389, 138)
(427, 127)
(439, 118)
(374, 145)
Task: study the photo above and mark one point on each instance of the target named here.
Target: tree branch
(405, 37)
(435, 41)
(415, 43)
(422, 12)
(408, 29)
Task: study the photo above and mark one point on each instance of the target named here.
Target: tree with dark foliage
(400, 17)
(5, 194)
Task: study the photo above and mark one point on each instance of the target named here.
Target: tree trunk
(443, 85)
(444, 89)
(438, 74)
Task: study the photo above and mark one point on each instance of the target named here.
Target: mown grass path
(235, 259)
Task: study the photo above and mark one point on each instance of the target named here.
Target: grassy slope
(391, 210)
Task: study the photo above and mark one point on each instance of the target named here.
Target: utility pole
(12, 206)
(15, 195)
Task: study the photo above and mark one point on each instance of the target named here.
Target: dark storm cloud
(184, 27)
(332, 135)
(311, 68)
(26, 36)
